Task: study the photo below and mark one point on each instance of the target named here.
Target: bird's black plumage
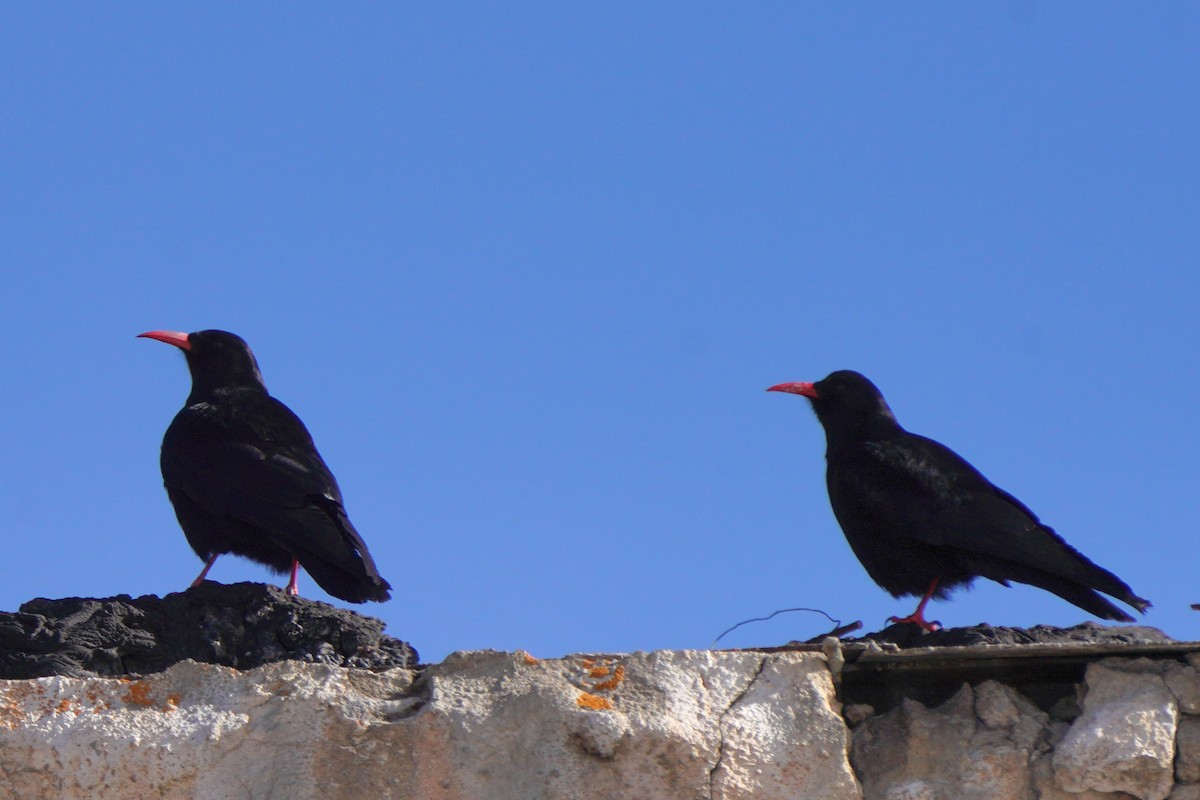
(244, 476)
(921, 519)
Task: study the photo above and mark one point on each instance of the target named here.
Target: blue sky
(525, 270)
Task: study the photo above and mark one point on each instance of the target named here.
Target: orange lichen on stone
(530, 660)
(139, 694)
(98, 705)
(588, 663)
(613, 682)
(592, 702)
(11, 716)
(64, 705)
(599, 672)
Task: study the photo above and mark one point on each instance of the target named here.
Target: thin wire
(837, 623)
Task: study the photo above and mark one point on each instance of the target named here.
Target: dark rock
(907, 635)
(242, 625)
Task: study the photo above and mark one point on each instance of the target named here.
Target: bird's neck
(841, 434)
(203, 393)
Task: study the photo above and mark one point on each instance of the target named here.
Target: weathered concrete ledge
(667, 724)
(479, 725)
(240, 691)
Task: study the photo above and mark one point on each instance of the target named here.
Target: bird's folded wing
(290, 495)
(930, 493)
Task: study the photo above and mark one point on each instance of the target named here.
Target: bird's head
(216, 359)
(846, 403)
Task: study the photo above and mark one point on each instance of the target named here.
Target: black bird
(923, 521)
(245, 478)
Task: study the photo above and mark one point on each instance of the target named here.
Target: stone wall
(1128, 734)
(668, 724)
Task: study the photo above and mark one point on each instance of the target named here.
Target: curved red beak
(180, 340)
(805, 389)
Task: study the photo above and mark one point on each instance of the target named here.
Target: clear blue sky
(525, 270)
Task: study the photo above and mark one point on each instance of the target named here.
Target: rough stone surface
(907, 635)
(316, 713)
(198, 731)
(976, 746)
(1187, 751)
(670, 724)
(779, 732)
(1124, 741)
(240, 625)
(489, 726)
(1044, 787)
(1184, 683)
(991, 742)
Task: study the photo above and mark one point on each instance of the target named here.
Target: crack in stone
(712, 771)
(415, 697)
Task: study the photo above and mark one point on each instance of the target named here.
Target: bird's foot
(293, 587)
(929, 626)
(918, 617)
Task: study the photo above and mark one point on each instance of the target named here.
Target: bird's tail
(343, 567)
(1074, 592)
(353, 586)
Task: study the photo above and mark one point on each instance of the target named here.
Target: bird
(923, 521)
(244, 476)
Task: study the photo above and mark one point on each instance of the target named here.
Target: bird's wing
(273, 479)
(927, 491)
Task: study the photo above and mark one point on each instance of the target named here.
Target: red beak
(180, 340)
(805, 389)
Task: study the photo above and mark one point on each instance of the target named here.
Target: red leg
(293, 588)
(918, 616)
(200, 578)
